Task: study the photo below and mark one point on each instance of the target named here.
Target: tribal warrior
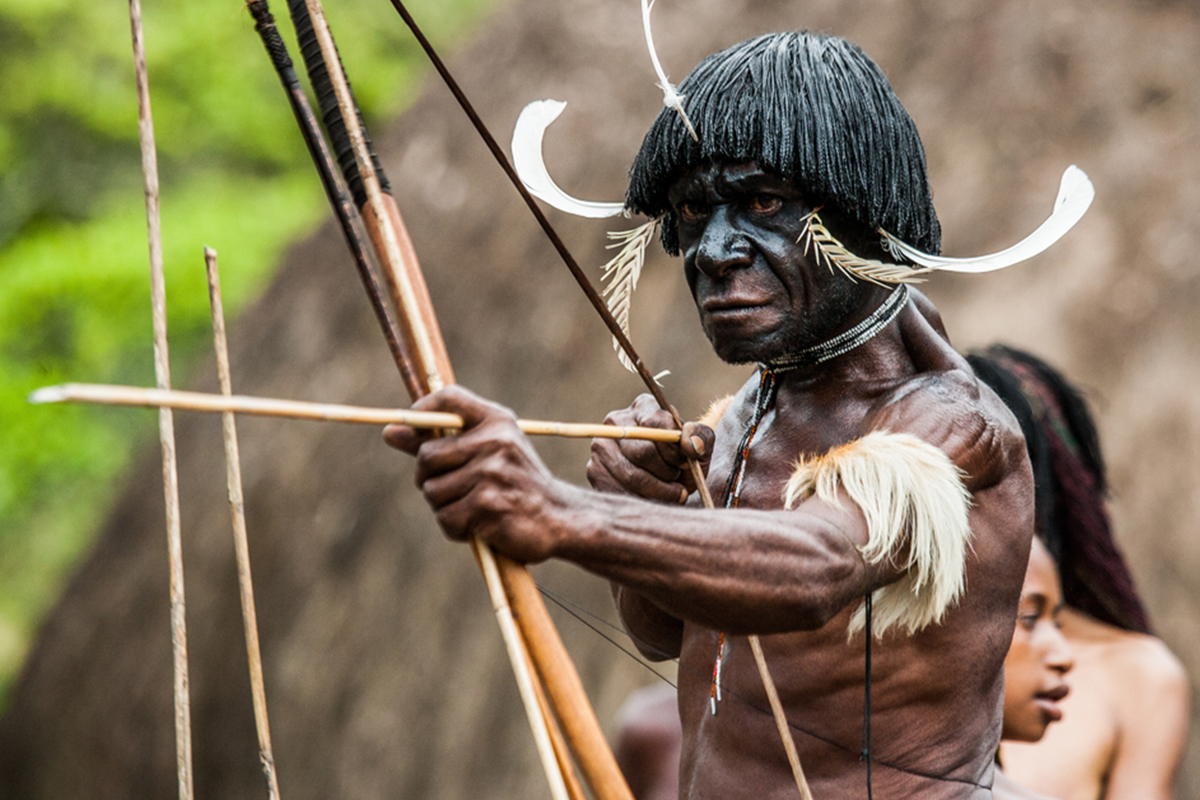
(874, 490)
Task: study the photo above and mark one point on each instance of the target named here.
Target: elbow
(657, 635)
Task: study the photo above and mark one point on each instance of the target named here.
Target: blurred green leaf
(74, 287)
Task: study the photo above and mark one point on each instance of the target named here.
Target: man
(875, 490)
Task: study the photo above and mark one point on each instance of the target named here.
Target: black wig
(814, 110)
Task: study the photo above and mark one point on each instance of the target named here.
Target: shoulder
(1148, 692)
(1137, 659)
(953, 411)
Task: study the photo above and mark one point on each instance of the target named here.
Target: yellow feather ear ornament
(621, 276)
(828, 250)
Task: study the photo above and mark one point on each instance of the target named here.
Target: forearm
(740, 571)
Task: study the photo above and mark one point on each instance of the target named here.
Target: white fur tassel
(917, 513)
(1075, 195)
(671, 97)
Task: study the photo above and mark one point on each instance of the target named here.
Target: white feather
(671, 97)
(531, 167)
(1075, 194)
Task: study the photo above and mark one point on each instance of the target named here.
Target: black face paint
(759, 294)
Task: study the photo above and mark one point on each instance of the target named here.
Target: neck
(852, 338)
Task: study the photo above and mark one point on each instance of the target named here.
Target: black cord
(866, 752)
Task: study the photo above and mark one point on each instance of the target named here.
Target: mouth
(733, 307)
(1048, 702)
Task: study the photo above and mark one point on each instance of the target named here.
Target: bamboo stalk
(241, 546)
(166, 424)
(136, 397)
(562, 752)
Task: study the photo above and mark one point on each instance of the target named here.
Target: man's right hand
(653, 470)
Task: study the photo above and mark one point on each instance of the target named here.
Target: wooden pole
(166, 424)
(241, 546)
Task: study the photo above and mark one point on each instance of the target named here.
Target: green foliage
(74, 288)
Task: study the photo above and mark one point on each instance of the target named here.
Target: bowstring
(579, 612)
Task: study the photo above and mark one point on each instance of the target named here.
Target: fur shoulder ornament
(917, 511)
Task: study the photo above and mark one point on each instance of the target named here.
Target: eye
(1028, 621)
(764, 204)
(692, 211)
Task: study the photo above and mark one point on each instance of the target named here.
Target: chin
(1025, 730)
(745, 350)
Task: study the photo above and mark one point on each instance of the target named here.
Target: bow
(419, 351)
(419, 331)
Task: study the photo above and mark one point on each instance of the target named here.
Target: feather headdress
(672, 99)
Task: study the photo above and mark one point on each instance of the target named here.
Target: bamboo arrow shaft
(137, 397)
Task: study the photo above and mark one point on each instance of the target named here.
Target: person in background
(1125, 722)
(1035, 669)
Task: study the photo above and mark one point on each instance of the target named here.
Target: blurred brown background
(385, 674)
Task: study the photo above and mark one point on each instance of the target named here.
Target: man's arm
(742, 572)
(657, 635)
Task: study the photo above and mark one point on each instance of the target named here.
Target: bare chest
(753, 458)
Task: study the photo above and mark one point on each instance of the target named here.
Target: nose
(1058, 652)
(722, 247)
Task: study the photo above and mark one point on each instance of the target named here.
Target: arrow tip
(48, 394)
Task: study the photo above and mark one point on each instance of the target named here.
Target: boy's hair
(1069, 484)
